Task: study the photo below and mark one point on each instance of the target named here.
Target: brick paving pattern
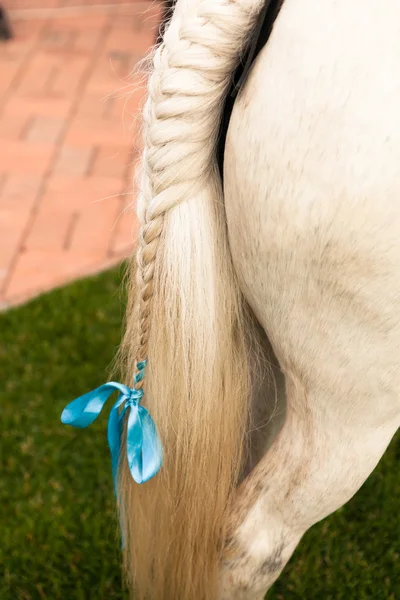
(68, 101)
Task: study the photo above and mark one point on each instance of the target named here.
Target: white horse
(273, 298)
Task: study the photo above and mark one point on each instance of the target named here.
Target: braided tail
(185, 315)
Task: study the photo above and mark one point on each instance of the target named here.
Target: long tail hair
(185, 312)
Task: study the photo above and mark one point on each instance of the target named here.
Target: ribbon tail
(144, 448)
(114, 435)
(82, 411)
(134, 442)
(152, 452)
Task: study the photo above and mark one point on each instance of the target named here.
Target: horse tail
(185, 313)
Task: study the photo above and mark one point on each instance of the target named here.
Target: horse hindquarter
(312, 185)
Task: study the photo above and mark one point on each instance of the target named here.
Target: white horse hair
(303, 243)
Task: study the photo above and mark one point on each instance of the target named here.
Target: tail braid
(164, 116)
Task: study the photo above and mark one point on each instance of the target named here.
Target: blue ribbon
(143, 445)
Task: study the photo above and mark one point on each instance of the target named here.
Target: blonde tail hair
(186, 314)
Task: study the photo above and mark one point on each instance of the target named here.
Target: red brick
(126, 39)
(44, 129)
(111, 161)
(111, 73)
(128, 102)
(92, 106)
(8, 72)
(50, 228)
(13, 128)
(122, 105)
(12, 225)
(58, 74)
(61, 207)
(122, 63)
(131, 172)
(17, 198)
(98, 132)
(95, 226)
(79, 192)
(142, 21)
(25, 158)
(38, 73)
(81, 21)
(74, 161)
(85, 40)
(40, 270)
(17, 189)
(55, 40)
(147, 18)
(68, 75)
(126, 232)
(3, 278)
(23, 4)
(43, 105)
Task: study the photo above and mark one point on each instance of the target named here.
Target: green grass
(58, 530)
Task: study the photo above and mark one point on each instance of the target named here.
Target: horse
(266, 299)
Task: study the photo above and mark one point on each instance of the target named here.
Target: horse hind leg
(315, 465)
(268, 404)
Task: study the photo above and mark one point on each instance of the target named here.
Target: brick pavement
(68, 101)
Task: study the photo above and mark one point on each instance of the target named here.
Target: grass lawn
(58, 531)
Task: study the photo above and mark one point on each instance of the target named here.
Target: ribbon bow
(143, 446)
